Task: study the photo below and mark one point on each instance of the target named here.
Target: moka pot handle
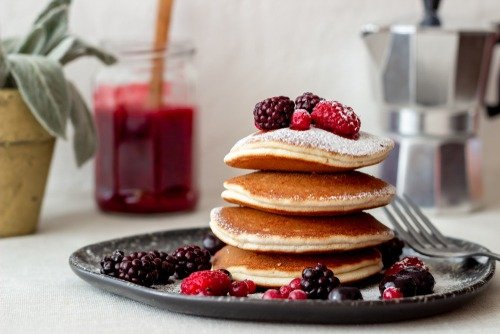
(494, 110)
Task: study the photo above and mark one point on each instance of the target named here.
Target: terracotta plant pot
(25, 155)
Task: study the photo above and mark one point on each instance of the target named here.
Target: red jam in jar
(145, 160)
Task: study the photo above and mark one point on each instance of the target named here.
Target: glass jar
(145, 161)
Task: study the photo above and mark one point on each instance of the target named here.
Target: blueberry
(211, 243)
(345, 293)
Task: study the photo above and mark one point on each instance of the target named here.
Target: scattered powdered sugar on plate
(366, 144)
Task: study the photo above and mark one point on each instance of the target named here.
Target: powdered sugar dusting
(367, 144)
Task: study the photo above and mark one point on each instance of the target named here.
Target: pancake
(259, 231)
(313, 150)
(274, 270)
(308, 194)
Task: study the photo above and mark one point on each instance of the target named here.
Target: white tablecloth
(39, 292)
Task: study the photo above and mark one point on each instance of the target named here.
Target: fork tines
(413, 226)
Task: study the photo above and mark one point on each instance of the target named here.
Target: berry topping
(110, 265)
(317, 282)
(273, 113)
(422, 277)
(143, 268)
(409, 261)
(405, 283)
(225, 271)
(165, 264)
(285, 291)
(307, 101)
(295, 284)
(211, 243)
(206, 283)
(301, 120)
(345, 293)
(391, 251)
(297, 295)
(238, 289)
(251, 287)
(189, 259)
(272, 294)
(335, 117)
(391, 293)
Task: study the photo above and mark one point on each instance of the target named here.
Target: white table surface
(39, 293)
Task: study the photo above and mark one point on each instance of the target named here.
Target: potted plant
(36, 103)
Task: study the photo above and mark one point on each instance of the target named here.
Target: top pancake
(308, 194)
(313, 150)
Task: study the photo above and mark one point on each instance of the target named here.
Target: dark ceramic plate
(457, 281)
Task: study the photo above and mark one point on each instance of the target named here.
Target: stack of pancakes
(304, 206)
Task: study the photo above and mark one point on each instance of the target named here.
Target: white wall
(249, 50)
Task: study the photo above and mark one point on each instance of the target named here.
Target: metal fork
(418, 232)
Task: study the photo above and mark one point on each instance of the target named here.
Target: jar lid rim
(142, 49)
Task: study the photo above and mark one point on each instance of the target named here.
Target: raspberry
(285, 291)
(250, 286)
(301, 120)
(391, 293)
(307, 101)
(189, 259)
(295, 284)
(225, 271)
(238, 289)
(335, 117)
(272, 294)
(317, 282)
(409, 261)
(206, 283)
(297, 295)
(273, 113)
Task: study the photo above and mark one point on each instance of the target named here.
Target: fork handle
(489, 254)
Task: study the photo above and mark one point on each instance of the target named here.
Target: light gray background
(249, 50)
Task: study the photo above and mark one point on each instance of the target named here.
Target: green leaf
(72, 48)
(34, 42)
(42, 85)
(84, 140)
(53, 4)
(4, 68)
(55, 24)
(10, 44)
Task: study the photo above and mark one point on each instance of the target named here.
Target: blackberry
(422, 277)
(138, 268)
(189, 259)
(391, 251)
(273, 113)
(165, 265)
(307, 101)
(110, 265)
(405, 283)
(317, 282)
(211, 243)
